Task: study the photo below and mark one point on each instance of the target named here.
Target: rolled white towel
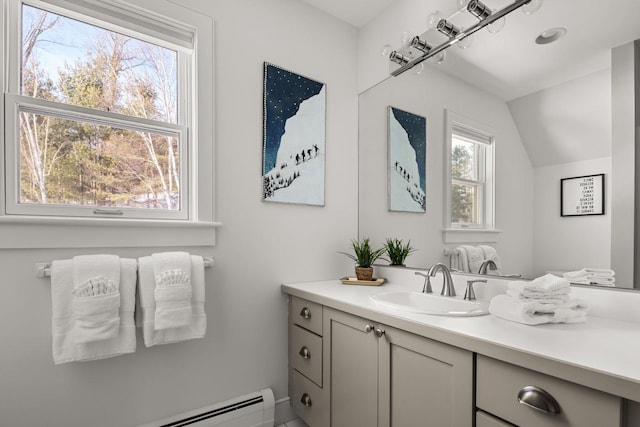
(536, 313)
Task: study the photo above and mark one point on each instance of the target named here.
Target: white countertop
(602, 353)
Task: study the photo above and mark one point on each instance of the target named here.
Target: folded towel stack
(592, 276)
(546, 299)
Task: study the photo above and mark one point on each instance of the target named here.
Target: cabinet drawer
(306, 314)
(499, 383)
(485, 420)
(306, 354)
(309, 401)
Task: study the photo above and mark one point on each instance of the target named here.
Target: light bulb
(433, 19)
(496, 26)
(405, 38)
(398, 58)
(465, 42)
(462, 5)
(531, 7)
(417, 69)
(386, 50)
(439, 58)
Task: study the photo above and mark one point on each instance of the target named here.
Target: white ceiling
(509, 64)
(355, 12)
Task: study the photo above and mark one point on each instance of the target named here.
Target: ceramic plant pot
(364, 273)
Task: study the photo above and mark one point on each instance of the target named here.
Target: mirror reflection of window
(471, 171)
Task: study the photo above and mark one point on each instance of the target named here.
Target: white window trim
(21, 231)
(485, 233)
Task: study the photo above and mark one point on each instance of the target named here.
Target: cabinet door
(352, 352)
(424, 382)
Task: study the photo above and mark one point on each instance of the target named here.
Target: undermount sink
(418, 302)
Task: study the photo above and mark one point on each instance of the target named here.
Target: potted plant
(364, 256)
(397, 251)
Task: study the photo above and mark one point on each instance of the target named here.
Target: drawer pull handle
(305, 313)
(379, 332)
(305, 353)
(536, 398)
(306, 400)
(368, 328)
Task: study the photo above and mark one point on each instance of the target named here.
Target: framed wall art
(293, 143)
(582, 195)
(407, 149)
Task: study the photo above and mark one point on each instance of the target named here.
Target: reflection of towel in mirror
(592, 276)
(463, 259)
(536, 313)
(475, 256)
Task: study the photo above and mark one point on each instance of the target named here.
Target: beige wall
(259, 246)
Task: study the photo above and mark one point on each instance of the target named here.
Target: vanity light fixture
(493, 19)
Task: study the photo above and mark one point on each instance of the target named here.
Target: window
(470, 189)
(94, 126)
(107, 114)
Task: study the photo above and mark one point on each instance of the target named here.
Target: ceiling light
(550, 35)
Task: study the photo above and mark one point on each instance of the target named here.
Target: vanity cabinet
(382, 376)
(348, 370)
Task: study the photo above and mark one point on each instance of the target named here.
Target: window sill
(46, 232)
(470, 235)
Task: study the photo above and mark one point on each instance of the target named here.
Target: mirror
(575, 108)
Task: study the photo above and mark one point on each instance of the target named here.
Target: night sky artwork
(407, 161)
(293, 139)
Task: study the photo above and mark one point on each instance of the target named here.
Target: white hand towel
(535, 313)
(96, 297)
(172, 273)
(475, 256)
(464, 259)
(523, 295)
(531, 290)
(196, 328)
(65, 344)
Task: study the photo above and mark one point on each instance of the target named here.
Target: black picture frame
(582, 195)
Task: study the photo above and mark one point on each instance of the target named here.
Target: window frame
(484, 135)
(198, 228)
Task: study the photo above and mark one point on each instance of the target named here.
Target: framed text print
(582, 195)
(293, 142)
(407, 141)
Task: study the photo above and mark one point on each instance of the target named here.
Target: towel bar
(43, 269)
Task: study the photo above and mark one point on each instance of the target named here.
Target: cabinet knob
(379, 332)
(305, 313)
(538, 399)
(305, 353)
(306, 400)
(368, 328)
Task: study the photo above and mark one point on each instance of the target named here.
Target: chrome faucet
(426, 288)
(447, 283)
(488, 263)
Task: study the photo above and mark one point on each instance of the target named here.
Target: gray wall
(259, 246)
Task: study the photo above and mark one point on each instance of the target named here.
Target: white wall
(428, 95)
(260, 246)
(569, 243)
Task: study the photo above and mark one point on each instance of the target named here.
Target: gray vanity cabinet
(382, 376)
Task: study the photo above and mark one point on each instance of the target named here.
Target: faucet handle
(426, 288)
(469, 294)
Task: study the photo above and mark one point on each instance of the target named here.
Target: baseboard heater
(251, 410)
